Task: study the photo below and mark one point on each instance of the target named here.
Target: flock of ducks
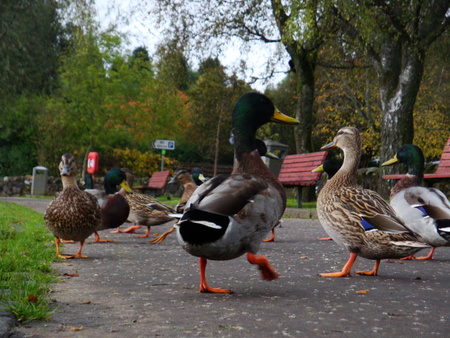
(230, 215)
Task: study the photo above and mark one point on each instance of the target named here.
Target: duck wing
(226, 194)
(432, 201)
(373, 209)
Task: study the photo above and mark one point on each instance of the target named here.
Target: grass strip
(26, 256)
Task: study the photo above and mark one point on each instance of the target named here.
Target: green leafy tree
(396, 36)
(29, 32)
(212, 99)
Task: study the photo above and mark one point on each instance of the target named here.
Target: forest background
(68, 85)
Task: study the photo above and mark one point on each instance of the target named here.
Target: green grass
(26, 256)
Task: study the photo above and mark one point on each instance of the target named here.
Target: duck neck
(406, 182)
(251, 163)
(69, 182)
(346, 175)
(110, 189)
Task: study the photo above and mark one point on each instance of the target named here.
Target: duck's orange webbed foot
(97, 238)
(408, 258)
(204, 288)
(427, 257)
(325, 239)
(132, 229)
(373, 272)
(162, 237)
(117, 231)
(272, 238)
(345, 270)
(267, 272)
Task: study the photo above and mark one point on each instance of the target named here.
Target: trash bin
(39, 181)
(278, 149)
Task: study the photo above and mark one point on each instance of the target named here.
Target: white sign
(164, 144)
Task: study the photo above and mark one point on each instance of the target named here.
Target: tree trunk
(216, 153)
(400, 69)
(305, 70)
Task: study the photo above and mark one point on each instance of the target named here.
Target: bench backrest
(444, 164)
(296, 169)
(158, 179)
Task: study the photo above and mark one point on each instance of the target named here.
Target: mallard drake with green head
(197, 176)
(73, 214)
(182, 176)
(426, 211)
(360, 219)
(114, 207)
(229, 215)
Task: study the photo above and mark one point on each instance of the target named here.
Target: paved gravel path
(133, 288)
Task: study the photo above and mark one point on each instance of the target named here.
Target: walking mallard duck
(183, 177)
(426, 211)
(360, 219)
(73, 214)
(114, 207)
(229, 215)
(145, 210)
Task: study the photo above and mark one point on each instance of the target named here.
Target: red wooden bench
(156, 182)
(296, 171)
(442, 172)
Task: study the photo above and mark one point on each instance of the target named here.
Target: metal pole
(163, 152)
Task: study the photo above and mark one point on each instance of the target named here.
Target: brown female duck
(360, 219)
(73, 214)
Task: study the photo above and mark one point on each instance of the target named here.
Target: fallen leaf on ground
(73, 328)
(75, 274)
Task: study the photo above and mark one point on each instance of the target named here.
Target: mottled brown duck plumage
(73, 214)
(360, 220)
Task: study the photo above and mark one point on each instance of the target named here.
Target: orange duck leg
(204, 288)
(345, 270)
(162, 237)
(272, 238)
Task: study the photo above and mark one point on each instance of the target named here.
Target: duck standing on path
(360, 219)
(146, 210)
(73, 214)
(426, 211)
(114, 207)
(228, 216)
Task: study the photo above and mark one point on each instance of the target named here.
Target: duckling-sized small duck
(114, 207)
(330, 167)
(229, 215)
(73, 214)
(426, 211)
(360, 219)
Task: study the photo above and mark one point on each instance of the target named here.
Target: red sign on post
(92, 163)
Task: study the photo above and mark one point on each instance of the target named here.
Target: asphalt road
(133, 288)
